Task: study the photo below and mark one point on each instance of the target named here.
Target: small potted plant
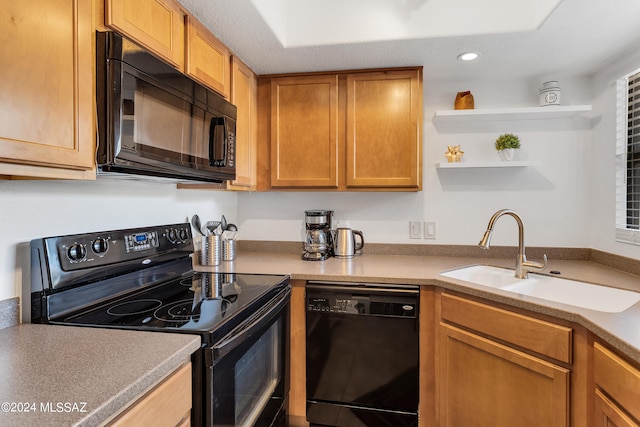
(506, 144)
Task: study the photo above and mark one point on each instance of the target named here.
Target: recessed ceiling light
(468, 56)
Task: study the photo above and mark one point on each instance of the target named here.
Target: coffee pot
(346, 244)
(318, 243)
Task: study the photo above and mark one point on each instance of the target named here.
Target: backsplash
(9, 312)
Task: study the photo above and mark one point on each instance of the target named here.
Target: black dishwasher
(362, 354)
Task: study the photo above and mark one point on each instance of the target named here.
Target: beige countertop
(621, 330)
(74, 376)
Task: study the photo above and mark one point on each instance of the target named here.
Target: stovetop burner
(130, 308)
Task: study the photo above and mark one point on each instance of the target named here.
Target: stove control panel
(81, 251)
(141, 241)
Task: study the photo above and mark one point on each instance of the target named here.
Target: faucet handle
(532, 265)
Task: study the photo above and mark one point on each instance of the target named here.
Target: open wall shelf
(523, 113)
(496, 164)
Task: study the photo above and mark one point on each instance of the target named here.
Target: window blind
(628, 159)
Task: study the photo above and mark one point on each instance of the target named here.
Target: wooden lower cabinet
(608, 414)
(297, 411)
(617, 389)
(166, 405)
(500, 368)
(485, 383)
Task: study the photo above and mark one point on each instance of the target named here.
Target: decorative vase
(507, 154)
(464, 101)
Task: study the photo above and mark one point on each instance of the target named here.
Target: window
(628, 159)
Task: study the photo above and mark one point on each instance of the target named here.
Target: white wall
(33, 209)
(552, 198)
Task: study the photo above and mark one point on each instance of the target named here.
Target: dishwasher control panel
(362, 299)
(337, 305)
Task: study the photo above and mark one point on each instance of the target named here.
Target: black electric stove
(143, 279)
(140, 279)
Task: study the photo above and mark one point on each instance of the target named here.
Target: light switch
(430, 230)
(415, 229)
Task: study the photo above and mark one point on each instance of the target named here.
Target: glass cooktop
(196, 303)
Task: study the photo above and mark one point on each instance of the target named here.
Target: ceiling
(542, 38)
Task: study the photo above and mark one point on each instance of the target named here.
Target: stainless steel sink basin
(565, 291)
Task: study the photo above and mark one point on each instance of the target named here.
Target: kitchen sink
(565, 291)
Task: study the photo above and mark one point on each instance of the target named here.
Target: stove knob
(76, 252)
(172, 235)
(183, 235)
(100, 246)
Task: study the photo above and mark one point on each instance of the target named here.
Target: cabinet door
(304, 131)
(384, 121)
(609, 415)
(617, 378)
(157, 25)
(46, 89)
(244, 97)
(166, 405)
(208, 60)
(484, 383)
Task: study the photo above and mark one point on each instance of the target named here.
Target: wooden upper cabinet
(304, 131)
(243, 96)
(208, 60)
(158, 25)
(383, 142)
(344, 131)
(46, 89)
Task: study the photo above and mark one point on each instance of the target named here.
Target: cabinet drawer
(617, 378)
(542, 337)
(168, 404)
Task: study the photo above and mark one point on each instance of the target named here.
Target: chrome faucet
(522, 265)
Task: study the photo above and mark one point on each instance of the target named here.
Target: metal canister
(211, 252)
(228, 250)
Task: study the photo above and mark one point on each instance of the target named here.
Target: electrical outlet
(430, 230)
(415, 229)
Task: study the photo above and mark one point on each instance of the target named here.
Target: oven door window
(250, 383)
(257, 374)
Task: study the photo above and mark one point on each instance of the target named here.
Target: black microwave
(154, 121)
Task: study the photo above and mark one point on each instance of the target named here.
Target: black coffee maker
(318, 244)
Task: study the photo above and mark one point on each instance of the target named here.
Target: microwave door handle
(213, 141)
(242, 332)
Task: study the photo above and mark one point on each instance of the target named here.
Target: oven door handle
(247, 329)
